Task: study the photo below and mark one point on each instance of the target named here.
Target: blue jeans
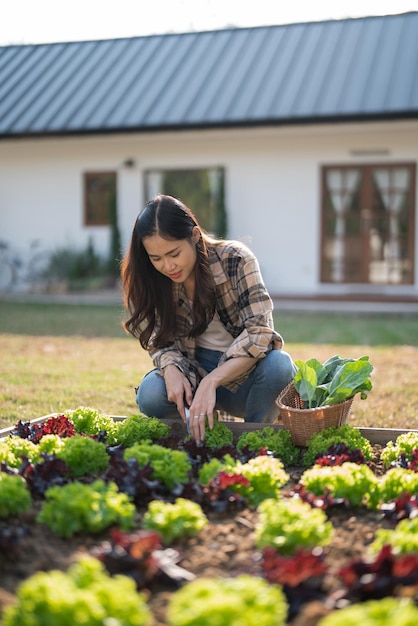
(255, 400)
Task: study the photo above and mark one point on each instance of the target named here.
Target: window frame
(105, 212)
(366, 170)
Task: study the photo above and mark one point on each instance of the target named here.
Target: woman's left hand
(202, 407)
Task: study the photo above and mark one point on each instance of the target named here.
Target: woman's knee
(279, 364)
(151, 395)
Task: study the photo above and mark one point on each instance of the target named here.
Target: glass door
(368, 217)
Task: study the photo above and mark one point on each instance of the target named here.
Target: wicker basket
(303, 423)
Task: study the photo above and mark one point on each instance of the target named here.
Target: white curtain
(341, 185)
(393, 186)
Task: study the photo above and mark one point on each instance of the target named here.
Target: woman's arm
(205, 397)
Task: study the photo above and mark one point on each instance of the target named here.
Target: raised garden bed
(225, 548)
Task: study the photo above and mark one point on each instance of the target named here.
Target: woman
(200, 308)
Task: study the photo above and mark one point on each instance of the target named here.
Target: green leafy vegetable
(396, 482)
(210, 468)
(76, 507)
(321, 441)
(404, 444)
(85, 595)
(84, 455)
(14, 495)
(350, 481)
(90, 421)
(333, 381)
(385, 612)
(245, 600)
(183, 518)
(13, 448)
(139, 429)
(403, 539)
(265, 475)
(291, 524)
(218, 436)
(170, 466)
(279, 442)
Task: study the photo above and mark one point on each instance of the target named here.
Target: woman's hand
(178, 388)
(204, 401)
(202, 407)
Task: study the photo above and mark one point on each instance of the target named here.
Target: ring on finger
(196, 417)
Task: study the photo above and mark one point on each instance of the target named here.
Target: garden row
(149, 488)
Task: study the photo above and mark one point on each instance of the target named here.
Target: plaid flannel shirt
(243, 305)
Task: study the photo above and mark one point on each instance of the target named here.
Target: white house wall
(272, 186)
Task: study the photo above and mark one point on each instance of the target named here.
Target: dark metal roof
(338, 70)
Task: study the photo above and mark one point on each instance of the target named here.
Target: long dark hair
(148, 294)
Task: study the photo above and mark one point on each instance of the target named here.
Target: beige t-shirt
(215, 337)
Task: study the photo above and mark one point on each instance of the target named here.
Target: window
(99, 198)
(202, 190)
(368, 216)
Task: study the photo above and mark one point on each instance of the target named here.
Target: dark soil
(226, 547)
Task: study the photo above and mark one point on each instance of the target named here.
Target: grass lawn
(57, 357)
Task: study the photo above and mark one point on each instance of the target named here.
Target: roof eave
(216, 125)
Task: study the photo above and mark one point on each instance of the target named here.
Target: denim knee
(151, 397)
(277, 368)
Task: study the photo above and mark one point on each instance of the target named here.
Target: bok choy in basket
(331, 382)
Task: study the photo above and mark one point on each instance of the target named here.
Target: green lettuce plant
(404, 444)
(86, 595)
(13, 448)
(321, 441)
(209, 469)
(78, 507)
(218, 436)
(331, 382)
(90, 421)
(14, 495)
(403, 539)
(279, 442)
(183, 518)
(50, 444)
(266, 476)
(356, 483)
(84, 455)
(396, 482)
(169, 466)
(385, 612)
(244, 600)
(289, 524)
(140, 429)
